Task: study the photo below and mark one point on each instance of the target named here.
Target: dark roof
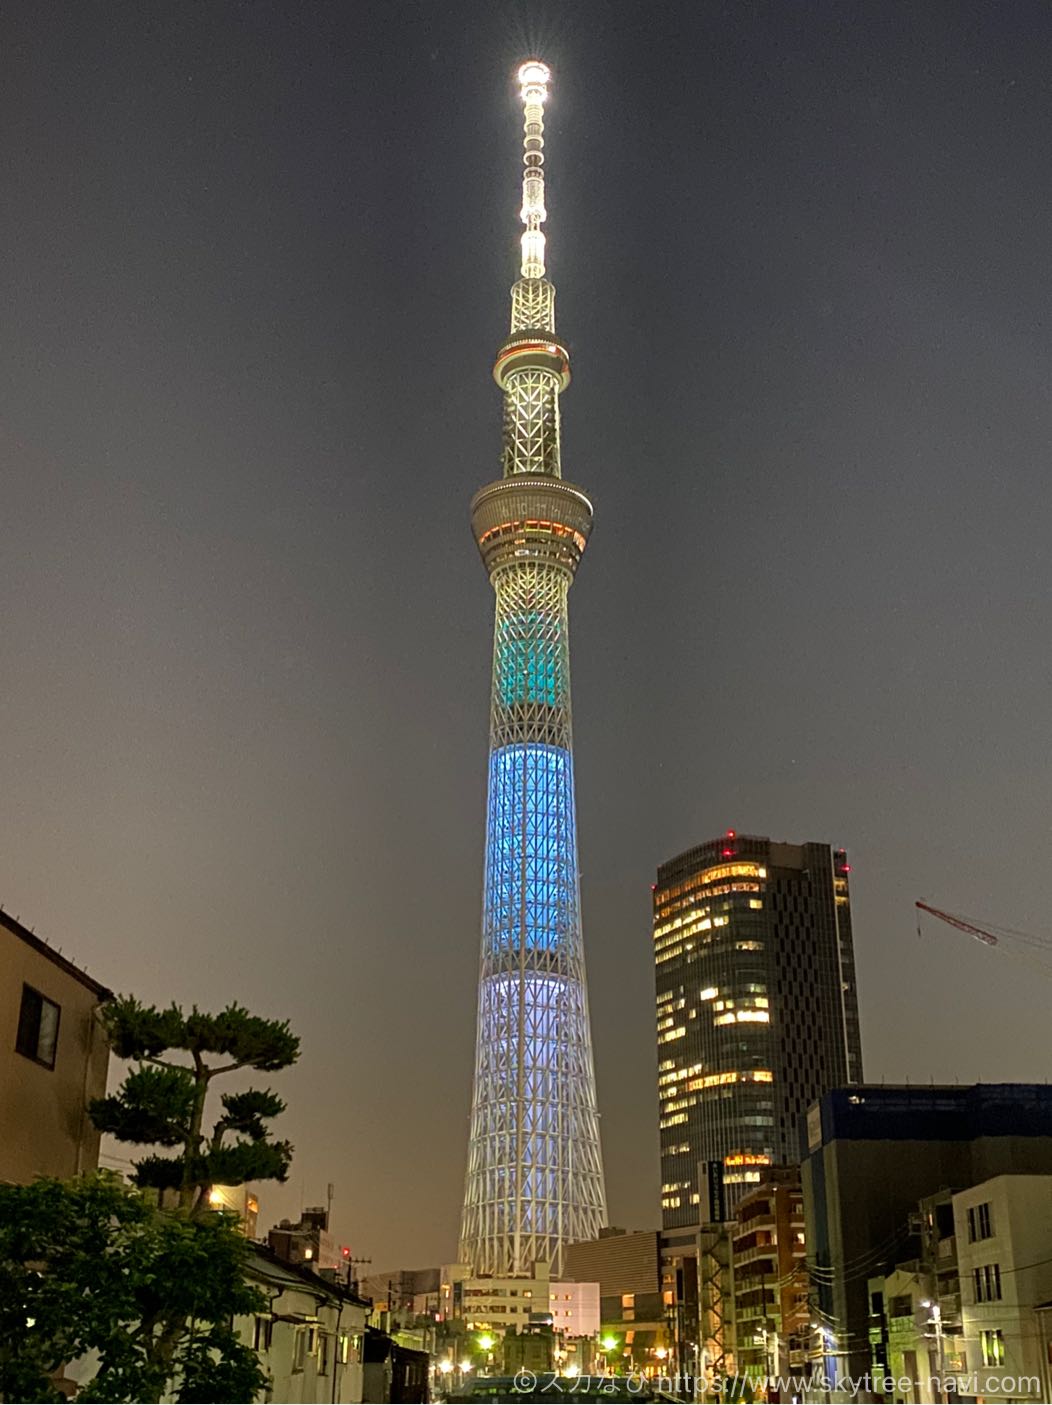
(930, 1113)
(31, 939)
(324, 1287)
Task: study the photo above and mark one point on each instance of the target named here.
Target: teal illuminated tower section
(535, 1173)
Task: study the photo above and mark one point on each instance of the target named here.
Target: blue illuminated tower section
(535, 1172)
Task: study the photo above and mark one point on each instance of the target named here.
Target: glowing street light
(445, 1366)
(608, 1343)
(486, 1341)
(572, 1370)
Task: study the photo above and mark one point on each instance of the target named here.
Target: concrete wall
(303, 1358)
(1021, 1246)
(44, 1126)
(619, 1263)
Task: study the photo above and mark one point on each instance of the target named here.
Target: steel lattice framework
(535, 1172)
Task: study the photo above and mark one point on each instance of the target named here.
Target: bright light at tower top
(534, 75)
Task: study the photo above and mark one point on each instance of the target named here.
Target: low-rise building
(529, 1349)
(1004, 1254)
(493, 1303)
(53, 1059)
(308, 1242)
(881, 1162)
(242, 1201)
(312, 1340)
(771, 1316)
(574, 1309)
(902, 1335)
(626, 1267)
(478, 1314)
(394, 1372)
(697, 1290)
(404, 1290)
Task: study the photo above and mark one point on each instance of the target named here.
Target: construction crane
(1003, 938)
(961, 923)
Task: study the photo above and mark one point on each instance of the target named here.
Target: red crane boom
(960, 923)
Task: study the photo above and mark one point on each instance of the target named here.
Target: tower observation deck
(535, 1174)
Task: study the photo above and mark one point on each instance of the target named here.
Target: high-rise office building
(757, 1011)
(535, 1174)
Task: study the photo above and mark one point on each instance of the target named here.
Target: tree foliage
(92, 1265)
(162, 1101)
(151, 1282)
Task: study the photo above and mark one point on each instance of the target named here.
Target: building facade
(53, 1061)
(534, 1176)
(769, 1276)
(879, 1160)
(574, 1309)
(904, 1346)
(312, 1340)
(412, 1291)
(626, 1267)
(308, 1242)
(493, 1302)
(757, 1012)
(492, 1306)
(1003, 1229)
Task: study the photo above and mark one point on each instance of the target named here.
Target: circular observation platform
(532, 351)
(531, 518)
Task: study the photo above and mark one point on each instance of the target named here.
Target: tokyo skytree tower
(535, 1171)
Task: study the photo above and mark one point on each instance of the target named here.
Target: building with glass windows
(925, 1197)
(757, 1012)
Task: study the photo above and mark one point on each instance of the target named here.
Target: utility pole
(940, 1345)
(766, 1336)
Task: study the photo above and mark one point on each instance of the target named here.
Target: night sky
(255, 265)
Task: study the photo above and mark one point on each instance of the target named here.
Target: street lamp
(443, 1369)
(609, 1344)
(936, 1321)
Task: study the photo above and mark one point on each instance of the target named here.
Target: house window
(299, 1348)
(988, 1283)
(323, 1354)
(263, 1334)
(37, 1027)
(980, 1222)
(993, 1347)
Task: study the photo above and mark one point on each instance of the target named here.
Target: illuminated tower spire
(535, 1173)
